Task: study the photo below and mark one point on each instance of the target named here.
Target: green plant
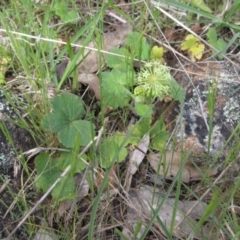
(49, 169)
(66, 120)
(193, 46)
(115, 88)
(199, 4)
(155, 81)
(157, 53)
(118, 142)
(66, 15)
(116, 85)
(73, 132)
(138, 45)
(217, 43)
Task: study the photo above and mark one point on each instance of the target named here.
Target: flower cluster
(154, 80)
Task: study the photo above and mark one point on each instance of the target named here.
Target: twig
(2, 188)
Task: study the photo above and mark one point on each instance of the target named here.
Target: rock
(21, 138)
(22, 141)
(223, 80)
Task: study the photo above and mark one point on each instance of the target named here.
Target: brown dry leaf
(110, 40)
(112, 187)
(136, 159)
(144, 200)
(92, 81)
(64, 206)
(171, 34)
(169, 164)
(197, 28)
(112, 180)
(61, 68)
(82, 184)
(138, 154)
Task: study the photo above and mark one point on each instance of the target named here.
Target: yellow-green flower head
(154, 80)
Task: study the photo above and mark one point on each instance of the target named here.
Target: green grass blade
(201, 13)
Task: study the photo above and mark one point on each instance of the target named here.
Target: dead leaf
(110, 40)
(64, 206)
(172, 34)
(82, 184)
(138, 154)
(61, 68)
(113, 182)
(169, 164)
(197, 28)
(144, 202)
(92, 81)
(136, 159)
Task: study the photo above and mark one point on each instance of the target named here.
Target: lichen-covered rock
(193, 126)
(13, 139)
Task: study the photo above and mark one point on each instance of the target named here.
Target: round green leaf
(138, 45)
(81, 129)
(159, 135)
(110, 150)
(65, 189)
(54, 122)
(65, 120)
(118, 62)
(69, 105)
(47, 171)
(144, 110)
(113, 92)
(67, 159)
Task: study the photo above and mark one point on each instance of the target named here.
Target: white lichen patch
(231, 110)
(229, 86)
